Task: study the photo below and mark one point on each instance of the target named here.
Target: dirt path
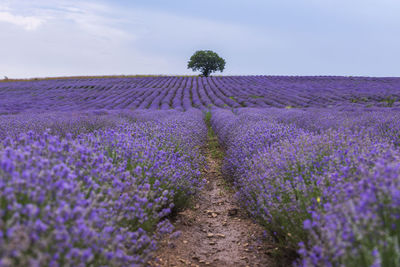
(215, 232)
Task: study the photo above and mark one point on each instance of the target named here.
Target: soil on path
(215, 232)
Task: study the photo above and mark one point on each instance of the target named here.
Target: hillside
(183, 93)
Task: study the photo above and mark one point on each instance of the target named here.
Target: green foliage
(207, 62)
(207, 118)
(359, 99)
(256, 96)
(389, 100)
(213, 144)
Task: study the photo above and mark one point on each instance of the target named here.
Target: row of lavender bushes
(324, 183)
(183, 93)
(100, 196)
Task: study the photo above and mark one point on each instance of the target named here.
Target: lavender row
(59, 123)
(328, 188)
(183, 93)
(101, 198)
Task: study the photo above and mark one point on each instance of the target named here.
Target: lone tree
(207, 62)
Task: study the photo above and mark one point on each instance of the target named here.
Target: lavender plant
(101, 198)
(329, 193)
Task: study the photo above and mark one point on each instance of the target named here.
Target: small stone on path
(232, 212)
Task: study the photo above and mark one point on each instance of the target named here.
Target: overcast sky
(44, 38)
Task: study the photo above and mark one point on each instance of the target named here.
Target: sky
(47, 38)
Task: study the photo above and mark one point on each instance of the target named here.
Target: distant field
(185, 92)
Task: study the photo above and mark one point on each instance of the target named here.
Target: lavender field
(92, 170)
(183, 93)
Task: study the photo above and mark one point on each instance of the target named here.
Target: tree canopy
(207, 62)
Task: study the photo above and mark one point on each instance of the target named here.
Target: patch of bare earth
(216, 232)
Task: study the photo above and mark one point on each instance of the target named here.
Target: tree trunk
(206, 72)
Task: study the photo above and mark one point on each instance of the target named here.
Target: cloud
(96, 19)
(60, 37)
(29, 23)
(84, 38)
